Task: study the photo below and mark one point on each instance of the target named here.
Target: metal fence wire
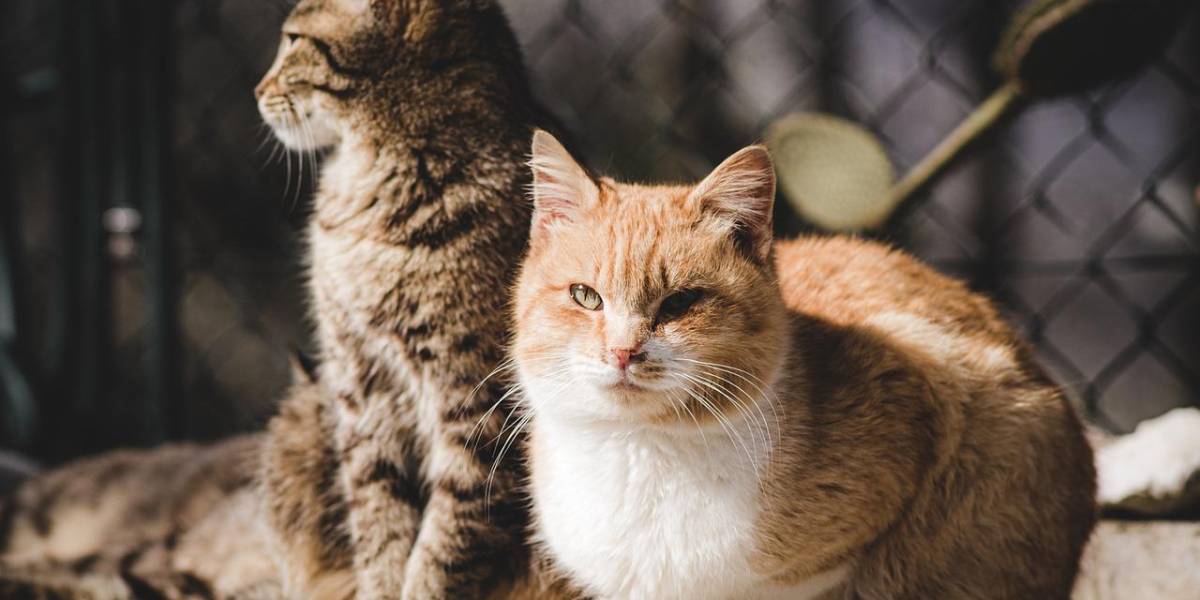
(1079, 214)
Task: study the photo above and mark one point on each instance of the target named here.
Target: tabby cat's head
(348, 66)
(635, 299)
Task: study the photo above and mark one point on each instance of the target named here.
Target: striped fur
(179, 521)
(374, 482)
(379, 482)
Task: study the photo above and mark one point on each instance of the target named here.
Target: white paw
(1155, 461)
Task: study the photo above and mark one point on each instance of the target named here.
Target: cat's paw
(1155, 469)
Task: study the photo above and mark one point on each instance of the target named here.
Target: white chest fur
(648, 514)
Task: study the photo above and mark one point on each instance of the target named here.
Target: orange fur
(911, 438)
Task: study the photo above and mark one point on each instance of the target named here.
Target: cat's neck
(466, 108)
(380, 180)
(377, 152)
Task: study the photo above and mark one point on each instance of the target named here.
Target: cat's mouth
(629, 386)
(633, 382)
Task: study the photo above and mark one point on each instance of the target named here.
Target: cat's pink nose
(625, 356)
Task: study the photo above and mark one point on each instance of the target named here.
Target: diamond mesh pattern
(1079, 214)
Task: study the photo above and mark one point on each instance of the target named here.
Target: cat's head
(346, 66)
(641, 303)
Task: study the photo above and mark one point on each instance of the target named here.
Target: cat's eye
(675, 305)
(586, 297)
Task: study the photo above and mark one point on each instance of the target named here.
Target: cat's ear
(562, 188)
(740, 193)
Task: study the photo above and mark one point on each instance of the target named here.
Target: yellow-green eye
(586, 297)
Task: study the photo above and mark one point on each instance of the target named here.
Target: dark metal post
(16, 401)
(154, 92)
(16, 394)
(77, 342)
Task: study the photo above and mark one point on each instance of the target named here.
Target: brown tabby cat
(375, 485)
(714, 416)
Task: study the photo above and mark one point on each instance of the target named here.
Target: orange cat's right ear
(561, 188)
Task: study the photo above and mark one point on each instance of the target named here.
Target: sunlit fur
(301, 116)
(175, 518)
(830, 420)
(372, 484)
(637, 245)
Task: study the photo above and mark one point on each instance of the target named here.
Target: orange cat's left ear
(562, 189)
(740, 192)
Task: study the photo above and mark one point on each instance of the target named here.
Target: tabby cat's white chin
(311, 135)
(312, 131)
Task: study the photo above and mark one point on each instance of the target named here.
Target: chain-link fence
(1079, 214)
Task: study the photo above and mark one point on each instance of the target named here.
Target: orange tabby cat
(714, 416)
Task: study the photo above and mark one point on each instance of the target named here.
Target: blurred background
(150, 229)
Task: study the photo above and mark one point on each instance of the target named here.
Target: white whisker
(727, 426)
(767, 394)
(520, 425)
(508, 364)
(742, 407)
(691, 414)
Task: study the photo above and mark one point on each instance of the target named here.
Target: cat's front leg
(303, 498)
(384, 494)
(470, 529)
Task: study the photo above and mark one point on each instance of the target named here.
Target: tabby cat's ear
(562, 189)
(740, 193)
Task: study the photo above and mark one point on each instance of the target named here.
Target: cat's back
(1001, 470)
(851, 282)
(863, 310)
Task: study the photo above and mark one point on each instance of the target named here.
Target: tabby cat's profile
(375, 484)
(714, 416)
